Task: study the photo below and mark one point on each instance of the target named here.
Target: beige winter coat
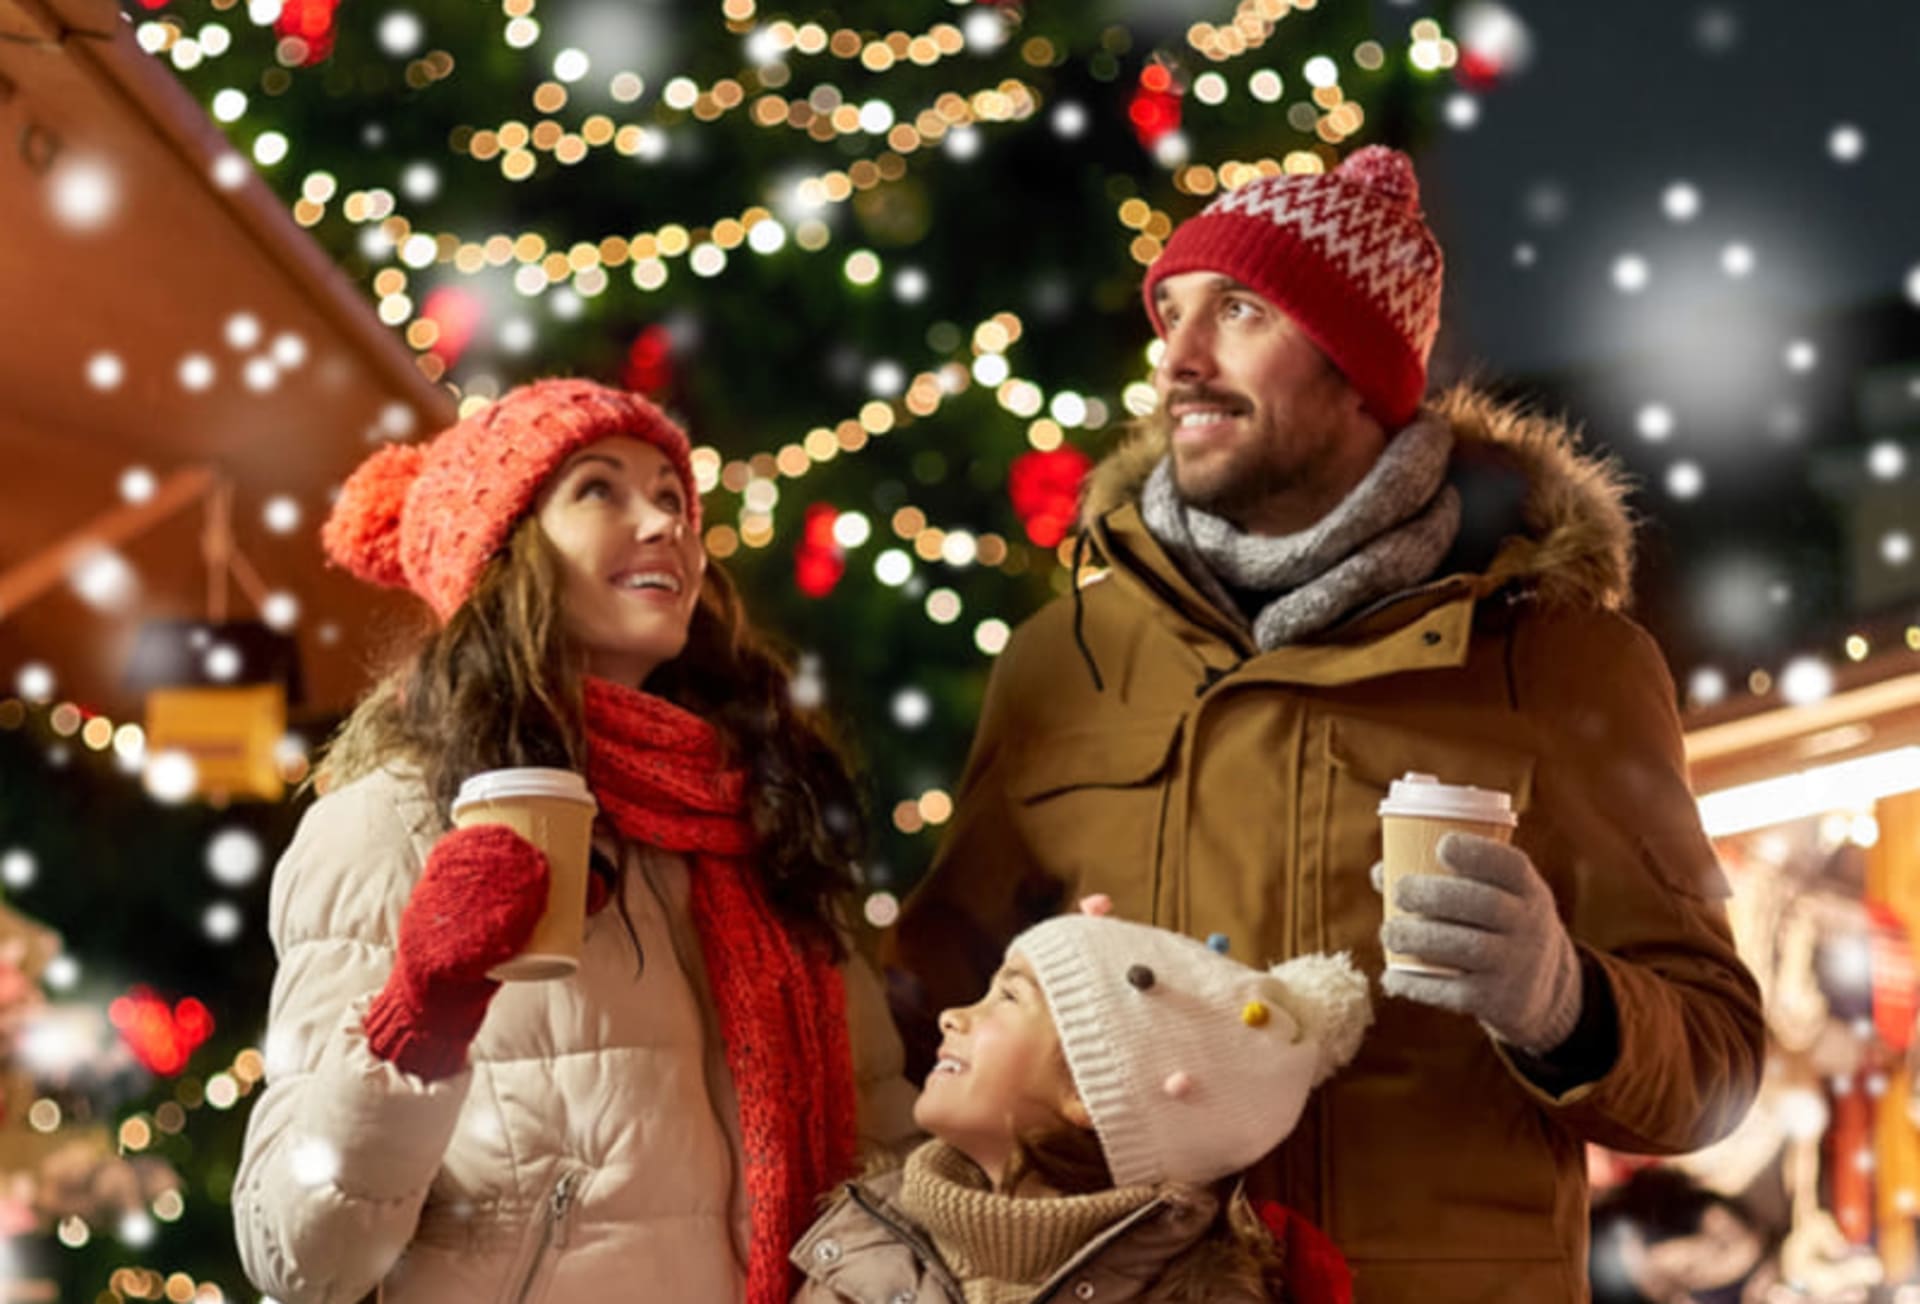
(1210, 787)
(592, 1149)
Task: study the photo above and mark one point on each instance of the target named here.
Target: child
(1087, 1114)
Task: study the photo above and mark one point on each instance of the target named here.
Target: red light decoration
(457, 314)
(819, 561)
(1045, 490)
(1154, 109)
(309, 22)
(161, 1037)
(649, 367)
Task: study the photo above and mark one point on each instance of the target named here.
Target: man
(1315, 585)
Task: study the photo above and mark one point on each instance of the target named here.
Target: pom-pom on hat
(428, 517)
(1346, 254)
(1191, 1064)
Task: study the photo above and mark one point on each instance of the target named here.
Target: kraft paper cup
(554, 811)
(1419, 811)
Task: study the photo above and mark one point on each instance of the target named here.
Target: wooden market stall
(1815, 811)
(184, 378)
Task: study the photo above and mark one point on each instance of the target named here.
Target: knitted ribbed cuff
(428, 1041)
(1591, 1050)
(1563, 1010)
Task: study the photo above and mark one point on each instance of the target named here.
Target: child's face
(1001, 1074)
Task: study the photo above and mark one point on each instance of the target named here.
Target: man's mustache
(1203, 395)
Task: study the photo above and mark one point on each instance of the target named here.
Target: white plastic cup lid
(1424, 797)
(524, 781)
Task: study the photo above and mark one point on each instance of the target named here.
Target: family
(1143, 992)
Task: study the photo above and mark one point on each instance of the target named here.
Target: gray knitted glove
(1496, 923)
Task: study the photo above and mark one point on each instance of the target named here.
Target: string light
(930, 809)
(923, 397)
(878, 54)
(585, 262)
(646, 251)
(1431, 50)
(753, 478)
(1253, 23)
(553, 136)
(823, 115)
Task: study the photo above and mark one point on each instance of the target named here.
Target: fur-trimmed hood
(1566, 507)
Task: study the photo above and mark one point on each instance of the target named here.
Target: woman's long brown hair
(500, 685)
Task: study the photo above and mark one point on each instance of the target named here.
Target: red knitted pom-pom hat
(428, 517)
(1346, 254)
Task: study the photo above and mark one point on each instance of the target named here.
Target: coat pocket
(1426, 1089)
(532, 1277)
(1364, 756)
(1088, 804)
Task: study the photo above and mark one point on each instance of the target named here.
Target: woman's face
(1001, 1075)
(617, 513)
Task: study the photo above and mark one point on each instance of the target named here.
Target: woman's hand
(475, 906)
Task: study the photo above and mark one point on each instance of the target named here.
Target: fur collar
(1574, 530)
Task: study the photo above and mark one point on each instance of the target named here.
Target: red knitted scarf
(660, 775)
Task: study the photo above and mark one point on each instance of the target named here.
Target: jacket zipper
(554, 1235)
(928, 1255)
(1095, 1248)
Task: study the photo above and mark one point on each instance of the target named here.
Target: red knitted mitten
(475, 905)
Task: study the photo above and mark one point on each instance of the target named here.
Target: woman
(663, 1120)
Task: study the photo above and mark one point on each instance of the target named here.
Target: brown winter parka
(1135, 742)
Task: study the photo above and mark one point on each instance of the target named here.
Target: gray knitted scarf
(1387, 535)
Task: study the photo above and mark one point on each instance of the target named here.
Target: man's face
(1264, 430)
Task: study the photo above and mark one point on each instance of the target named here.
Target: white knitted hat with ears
(1192, 1065)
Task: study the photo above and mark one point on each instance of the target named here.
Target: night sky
(1619, 101)
(1760, 374)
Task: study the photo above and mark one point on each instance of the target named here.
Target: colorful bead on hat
(1157, 1026)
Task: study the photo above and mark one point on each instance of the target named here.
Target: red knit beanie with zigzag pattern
(1346, 254)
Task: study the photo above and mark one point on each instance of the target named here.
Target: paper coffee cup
(1418, 812)
(554, 811)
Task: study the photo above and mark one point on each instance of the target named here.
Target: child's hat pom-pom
(362, 534)
(1097, 905)
(1327, 997)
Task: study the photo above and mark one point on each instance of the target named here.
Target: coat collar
(1554, 517)
(866, 1227)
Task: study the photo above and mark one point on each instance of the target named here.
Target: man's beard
(1269, 465)
(1236, 489)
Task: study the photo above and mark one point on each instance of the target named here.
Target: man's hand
(1495, 922)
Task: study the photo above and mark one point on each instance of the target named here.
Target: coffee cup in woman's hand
(553, 810)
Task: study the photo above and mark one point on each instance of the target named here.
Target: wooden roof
(177, 257)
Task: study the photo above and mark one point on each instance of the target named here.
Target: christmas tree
(884, 265)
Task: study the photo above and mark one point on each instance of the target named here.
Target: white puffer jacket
(592, 1149)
